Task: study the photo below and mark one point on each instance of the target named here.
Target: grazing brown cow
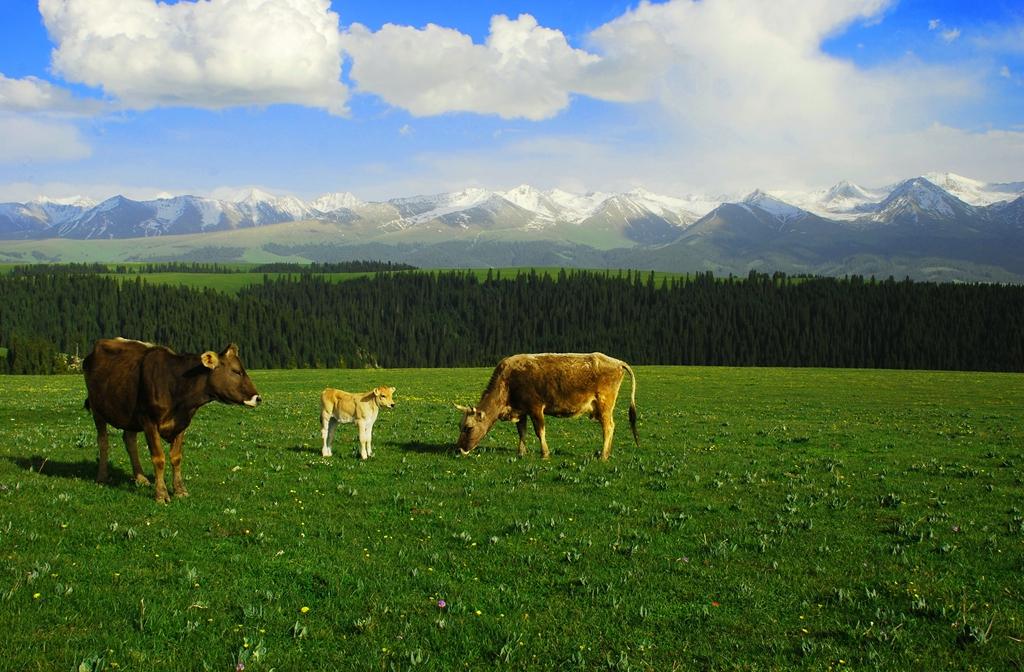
(141, 387)
(560, 385)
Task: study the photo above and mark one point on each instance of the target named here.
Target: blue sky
(305, 97)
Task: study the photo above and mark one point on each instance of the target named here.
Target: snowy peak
(264, 208)
(336, 201)
(535, 201)
(254, 196)
(71, 201)
(843, 200)
(780, 210)
(578, 207)
(921, 194)
(846, 196)
(975, 192)
(918, 201)
(416, 209)
(684, 210)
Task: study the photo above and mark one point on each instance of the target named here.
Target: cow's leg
(177, 454)
(521, 427)
(364, 439)
(332, 425)
(156, 453)
(604, 416)
(369, 437)
(538, 427)
(104, 445)
(326, 432)
(131, 444)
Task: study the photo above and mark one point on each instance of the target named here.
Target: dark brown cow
(141, 387)
(560, 385)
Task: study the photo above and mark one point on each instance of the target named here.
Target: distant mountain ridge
(939, 223)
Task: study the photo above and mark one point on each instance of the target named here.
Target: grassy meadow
(771, 519)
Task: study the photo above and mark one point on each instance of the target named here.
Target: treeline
(334, 267)
(76, 268)
(445, 319)
(73, 268)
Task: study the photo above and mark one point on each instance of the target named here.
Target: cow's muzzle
(254, 402)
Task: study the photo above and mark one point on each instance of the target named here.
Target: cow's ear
(231, 350)
(210, 359)
(480, 414)
(464, 409)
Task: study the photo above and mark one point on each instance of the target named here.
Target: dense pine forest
(450, 319)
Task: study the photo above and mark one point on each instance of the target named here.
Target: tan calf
(361, 408)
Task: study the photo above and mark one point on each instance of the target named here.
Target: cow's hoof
(103, 480)
(141, 480)
(162, 498)
(326, 453)
(179, 493)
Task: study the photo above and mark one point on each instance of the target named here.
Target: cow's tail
(632, 403)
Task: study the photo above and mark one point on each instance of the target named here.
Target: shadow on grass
(83, 469)
(353, 450)
(431, 448)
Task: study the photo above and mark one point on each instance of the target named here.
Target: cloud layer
(32, 94)
(728, 93)
(523, 70)
(213, 55)
(27, 139)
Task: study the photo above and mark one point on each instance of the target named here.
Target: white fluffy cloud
(523, 69)
(32, 94)
(751, 96)
(727, 93)
(27, 139)
(747, 67)
(211, 54)
(742, 94)
(35, 121)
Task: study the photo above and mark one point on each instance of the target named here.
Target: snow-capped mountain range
(523, 207)
(937, 215)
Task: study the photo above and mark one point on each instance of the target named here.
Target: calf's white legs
(327, 425)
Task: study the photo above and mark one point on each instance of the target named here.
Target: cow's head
(228, 382)
(472, 428)
(384, 397)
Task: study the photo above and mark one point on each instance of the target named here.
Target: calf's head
(228, 382)
(472, 428)
(384, 396)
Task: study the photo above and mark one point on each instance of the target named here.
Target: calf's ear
(210, 359)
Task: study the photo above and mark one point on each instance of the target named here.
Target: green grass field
(771, 519)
